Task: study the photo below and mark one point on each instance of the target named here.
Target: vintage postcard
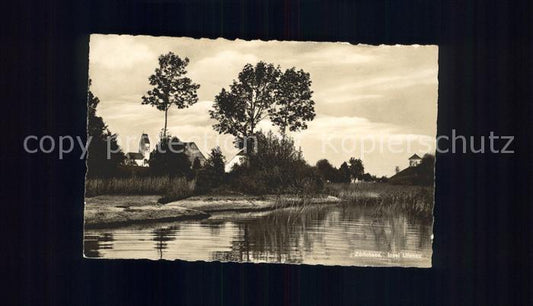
(260, 151)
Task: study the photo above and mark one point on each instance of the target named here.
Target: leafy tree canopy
(356, 168)
(293, 105)
(264, 91)
(327, 171)
(170, 86)
(344, 173)
(216, 161)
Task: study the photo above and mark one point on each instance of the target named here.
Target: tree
(356, 168)
(344, 173)
(239, 110)
(216, 161)
(426, 169)
(293, 101)
(212, 175)
(367, 177)
(170, 87)
(168, 159)
(99, 164)
(326, 170)
(263, 92)
(383, 179)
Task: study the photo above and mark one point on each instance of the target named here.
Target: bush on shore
(212, 174)
(277, 167)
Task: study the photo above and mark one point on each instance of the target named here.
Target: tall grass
(170, 188)
(415, 200)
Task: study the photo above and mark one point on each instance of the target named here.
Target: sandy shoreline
(116, 210)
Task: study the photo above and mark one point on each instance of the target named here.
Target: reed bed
(416, 200)
(170, 188)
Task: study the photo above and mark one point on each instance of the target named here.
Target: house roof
(414, 157)
(194, 152)
(134, 155)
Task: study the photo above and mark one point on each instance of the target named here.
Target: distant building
(238, 159)
(141, 157)
(412, 175)
(136, 159)
(192, 151)
(414, 160)
(144, 146)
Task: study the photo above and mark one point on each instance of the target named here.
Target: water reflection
(332, 235)
(161, 236)
(93, 243)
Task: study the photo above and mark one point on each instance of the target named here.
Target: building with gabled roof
(414, 160)
(141, 157)
(193, 152)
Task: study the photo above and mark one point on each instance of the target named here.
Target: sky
(377, 103)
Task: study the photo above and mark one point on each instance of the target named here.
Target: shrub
(212, 174)
(276, 167)
(169, 159)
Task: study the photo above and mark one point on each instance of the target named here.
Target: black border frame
(483, 239)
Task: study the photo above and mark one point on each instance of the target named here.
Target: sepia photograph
(282, 152)
(186, 152)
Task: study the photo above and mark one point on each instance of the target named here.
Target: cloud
(218, 71)
(118, 52)
(336, 54)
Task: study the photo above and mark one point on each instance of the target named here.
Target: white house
(414, 160)
(238, 159)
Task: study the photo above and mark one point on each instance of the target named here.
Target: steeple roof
(414, 157)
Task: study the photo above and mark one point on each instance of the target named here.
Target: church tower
(144, 146)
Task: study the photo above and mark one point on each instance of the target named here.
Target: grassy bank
(171, 189)
(417, 200)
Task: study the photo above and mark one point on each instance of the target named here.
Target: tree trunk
(283, 133)
(165, 128)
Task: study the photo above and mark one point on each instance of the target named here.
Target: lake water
(323, 234)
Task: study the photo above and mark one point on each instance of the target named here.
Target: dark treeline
(347, 172)
(99, 164)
